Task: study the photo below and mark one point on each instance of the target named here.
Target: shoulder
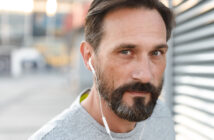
(61, 126)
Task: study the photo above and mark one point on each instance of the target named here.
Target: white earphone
(90, 65)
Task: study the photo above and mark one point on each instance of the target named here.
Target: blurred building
(190, 72)
(47, 26)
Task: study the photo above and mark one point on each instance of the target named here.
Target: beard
(139, 110)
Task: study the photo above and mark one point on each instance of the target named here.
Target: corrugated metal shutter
(193, 69)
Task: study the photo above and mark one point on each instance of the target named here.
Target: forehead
(136, 25)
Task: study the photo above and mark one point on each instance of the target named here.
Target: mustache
(138, 87)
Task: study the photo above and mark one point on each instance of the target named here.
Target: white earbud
(90, 65)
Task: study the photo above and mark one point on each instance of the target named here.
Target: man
(125, 48)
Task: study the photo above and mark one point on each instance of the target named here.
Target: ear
(87, 52)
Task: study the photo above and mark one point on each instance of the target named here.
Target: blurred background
(41, 70)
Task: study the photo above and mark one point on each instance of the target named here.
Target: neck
(116, 124)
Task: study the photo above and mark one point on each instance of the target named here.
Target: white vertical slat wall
(193, 69)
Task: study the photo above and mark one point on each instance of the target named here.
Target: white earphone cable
(104, 119)
(100, 103)
(141, 134)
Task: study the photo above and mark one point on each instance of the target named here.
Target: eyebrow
(126, 46)
(130, 46)
(162, 46)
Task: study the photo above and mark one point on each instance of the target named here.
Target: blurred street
(28, 102)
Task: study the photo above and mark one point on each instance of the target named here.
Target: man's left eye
(125, 52)
(156, 53)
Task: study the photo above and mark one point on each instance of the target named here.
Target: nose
(142, 71)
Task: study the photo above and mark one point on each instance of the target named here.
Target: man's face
(130, 61)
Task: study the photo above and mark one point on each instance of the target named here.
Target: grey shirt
(75, 123)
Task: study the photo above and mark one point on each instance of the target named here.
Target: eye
(125, 52)
(157, 52)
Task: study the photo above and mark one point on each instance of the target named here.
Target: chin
(138, 111)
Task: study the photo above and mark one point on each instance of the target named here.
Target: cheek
(108, 74)
(158, 72)
(116, 73)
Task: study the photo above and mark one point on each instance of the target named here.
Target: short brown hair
(99, 9)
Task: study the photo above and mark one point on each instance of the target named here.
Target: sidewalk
(29, 102)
